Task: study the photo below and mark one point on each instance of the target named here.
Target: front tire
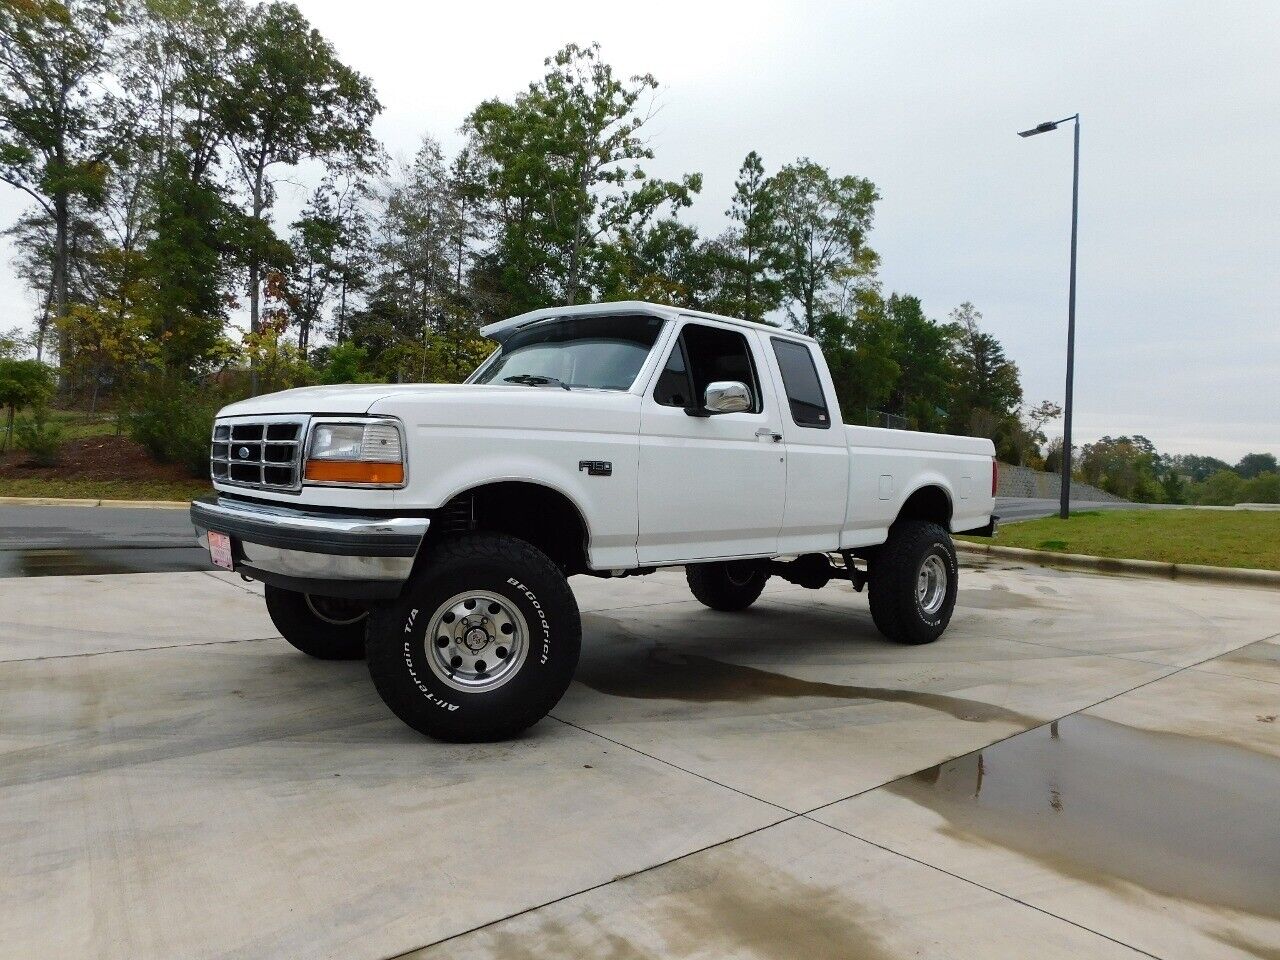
(729, 585)
(482, 643)
(913, 579)
(326, 628)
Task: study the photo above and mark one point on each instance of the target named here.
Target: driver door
(710, 486)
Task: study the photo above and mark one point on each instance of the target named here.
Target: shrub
(174, 424)
(1264, 488)
(40, 437)
(1222, 489)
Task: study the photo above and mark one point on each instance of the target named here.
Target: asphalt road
(62, 541)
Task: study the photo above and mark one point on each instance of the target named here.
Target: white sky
(1179, 272)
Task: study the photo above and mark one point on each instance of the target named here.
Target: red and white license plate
(220, 550)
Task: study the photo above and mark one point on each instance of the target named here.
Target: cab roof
(503, 329)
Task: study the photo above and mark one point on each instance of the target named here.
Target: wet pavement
(71, 541)
(1083, 766)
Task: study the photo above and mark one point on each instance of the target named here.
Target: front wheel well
(536, 514)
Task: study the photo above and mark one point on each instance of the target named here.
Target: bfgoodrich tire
(730, 585)
(481, 645)
(322, 627)
(913, 582)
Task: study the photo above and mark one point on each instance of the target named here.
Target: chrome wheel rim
(476, 641)
(340, 613)
(931, 584)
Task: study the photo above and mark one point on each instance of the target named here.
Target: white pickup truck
(431, 528)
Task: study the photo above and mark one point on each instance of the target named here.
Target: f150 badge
(596, 468)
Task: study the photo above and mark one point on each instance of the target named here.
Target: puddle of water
(65, 562)
(662, 674)
(1102, 801)
(996, 598)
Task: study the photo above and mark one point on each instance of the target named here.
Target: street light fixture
(1064, 505)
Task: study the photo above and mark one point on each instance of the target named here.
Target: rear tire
(729, 585)
(326, 628)
(912, 586)
(481, 644)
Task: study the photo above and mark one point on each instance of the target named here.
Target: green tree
(23, 383)
(293, 100)
(57, 114)
(823, 223)
(562, 168)
(921, 392)
(859, 344)
(1253, 464)
(753, 245)
(983, 378)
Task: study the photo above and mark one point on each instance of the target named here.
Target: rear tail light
(995, 475)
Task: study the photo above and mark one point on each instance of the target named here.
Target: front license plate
(220, 550)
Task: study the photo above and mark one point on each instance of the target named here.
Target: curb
(71, 502)
(1151, 568)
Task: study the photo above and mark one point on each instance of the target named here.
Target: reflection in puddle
(662, 674)
(83, 562)
(1103, 801)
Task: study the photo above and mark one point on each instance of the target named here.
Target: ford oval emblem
(244, 453)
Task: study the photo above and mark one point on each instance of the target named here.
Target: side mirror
(727, 396)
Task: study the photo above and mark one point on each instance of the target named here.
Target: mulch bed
(96, 458)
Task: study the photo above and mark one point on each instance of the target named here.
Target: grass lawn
(1220, 538)
(95, 489)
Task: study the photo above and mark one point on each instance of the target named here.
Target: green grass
(1219, 538)
(76, 425)
(103, 489)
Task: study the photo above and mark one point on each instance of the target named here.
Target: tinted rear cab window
(800, 379)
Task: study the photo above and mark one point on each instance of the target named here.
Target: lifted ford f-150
(431, 528)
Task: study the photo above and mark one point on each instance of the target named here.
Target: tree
(561, 161)
(293, 101)
(1252, 464)
(57, 129)
(753, 246)
(23, 383)
(858, 342)
(823, 223)
(983, 378)
(921, 392)
(314, 269)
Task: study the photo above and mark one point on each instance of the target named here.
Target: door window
(701, 356)
(800, 380)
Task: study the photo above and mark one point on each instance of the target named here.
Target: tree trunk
(61, 223)
(255, 278)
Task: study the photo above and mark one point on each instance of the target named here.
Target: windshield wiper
(536, 380)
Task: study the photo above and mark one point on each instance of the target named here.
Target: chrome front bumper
(341, 555)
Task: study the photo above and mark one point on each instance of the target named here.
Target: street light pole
(1064, 504)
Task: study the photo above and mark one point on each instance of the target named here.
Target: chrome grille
(262, 452)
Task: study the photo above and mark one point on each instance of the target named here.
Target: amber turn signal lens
(354, 471)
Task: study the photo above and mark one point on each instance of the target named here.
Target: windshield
(604, 353)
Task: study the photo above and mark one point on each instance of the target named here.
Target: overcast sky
(1179, 272)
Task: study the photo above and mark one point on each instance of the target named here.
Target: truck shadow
(655, 672)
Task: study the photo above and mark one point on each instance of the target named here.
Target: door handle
(768, 432)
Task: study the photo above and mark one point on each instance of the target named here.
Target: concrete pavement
(175, 781)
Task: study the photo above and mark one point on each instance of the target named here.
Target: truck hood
(357, 398)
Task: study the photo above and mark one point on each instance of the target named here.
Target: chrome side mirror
(727, 396)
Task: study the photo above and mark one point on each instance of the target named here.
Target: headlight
(355, 452)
